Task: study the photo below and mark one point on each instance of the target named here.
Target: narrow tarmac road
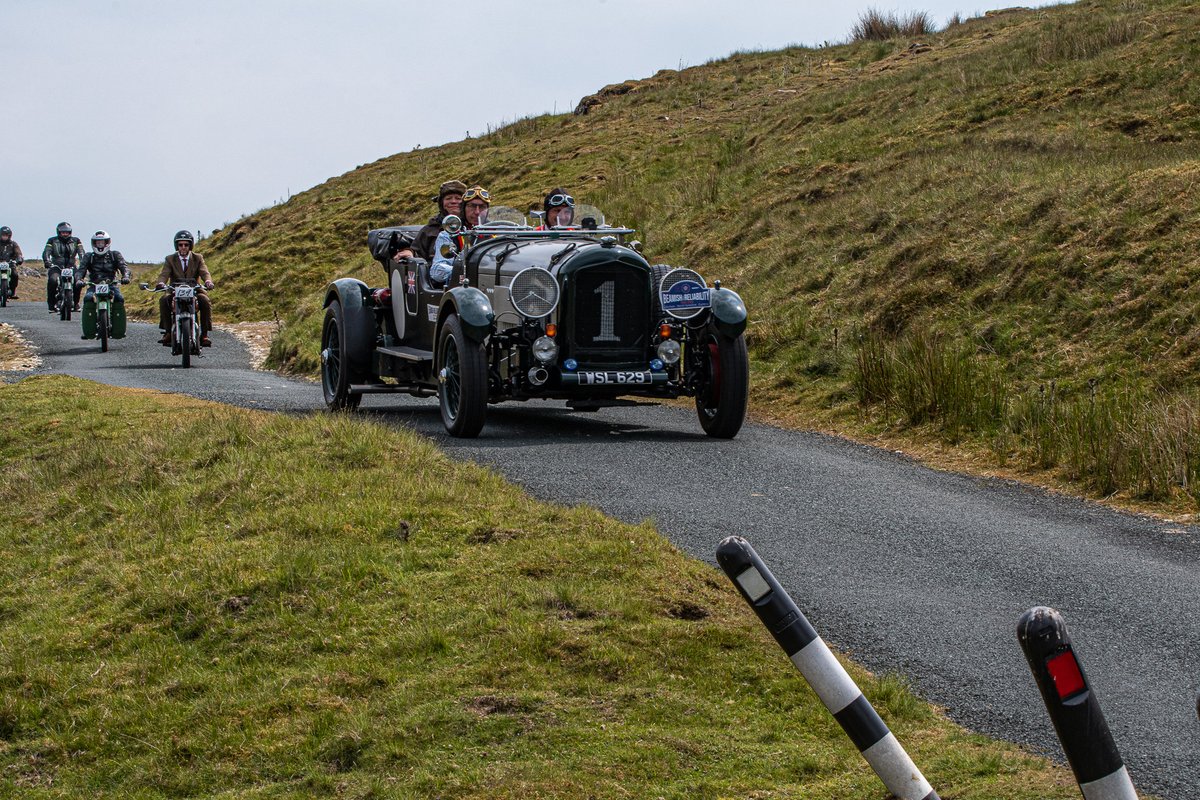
(906, 569)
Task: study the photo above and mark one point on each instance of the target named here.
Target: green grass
(1027, 187)
(202, 601)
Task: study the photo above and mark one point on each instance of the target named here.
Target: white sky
(142, 117)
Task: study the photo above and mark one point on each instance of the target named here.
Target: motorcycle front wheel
(102, 326)
(185, 341)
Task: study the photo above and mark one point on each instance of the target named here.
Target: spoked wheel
(64, 306)
(721, 403)
(185, 341)
(463, 380)
(102, 328)
(335, 377)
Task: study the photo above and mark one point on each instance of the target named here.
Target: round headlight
(545, 349)
(534, 292)
(668, 351)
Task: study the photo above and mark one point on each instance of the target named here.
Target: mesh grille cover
(673, 277)
(534, 292)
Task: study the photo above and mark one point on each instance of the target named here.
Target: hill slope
(1025, 182)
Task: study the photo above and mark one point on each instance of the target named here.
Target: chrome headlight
(668, 351)
(534, 292)
(545, 349)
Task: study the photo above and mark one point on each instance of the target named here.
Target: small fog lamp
(545, 349)
(668, 351)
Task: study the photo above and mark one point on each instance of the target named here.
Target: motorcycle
(185, 333)
(5, 281)
(66, 293)
(109, 319)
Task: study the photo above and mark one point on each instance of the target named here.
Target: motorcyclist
(10, 251)
(184, 266)
(62, 250)
(100, 266)
(476, 202)
(449, 201)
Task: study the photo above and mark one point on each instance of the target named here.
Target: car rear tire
(335, 376)
(462, 380)
(721, 403)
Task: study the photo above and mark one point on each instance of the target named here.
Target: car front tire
(462, 380)
(721, 403)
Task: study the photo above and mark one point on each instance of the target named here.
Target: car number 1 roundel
(683, 293)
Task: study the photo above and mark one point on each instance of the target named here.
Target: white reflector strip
(896, 769)
(753, 584)
(1116, 786)
(826, 676)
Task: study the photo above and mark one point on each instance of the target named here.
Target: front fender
(473, 309)
(358, 324)
(729, 312)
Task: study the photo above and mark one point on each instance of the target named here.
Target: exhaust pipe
(538, 376)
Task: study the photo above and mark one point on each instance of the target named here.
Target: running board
(411, 354)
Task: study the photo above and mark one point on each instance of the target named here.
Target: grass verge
(197, 600)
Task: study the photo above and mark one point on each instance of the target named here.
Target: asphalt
(907, 569)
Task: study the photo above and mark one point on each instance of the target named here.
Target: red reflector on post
(1064, 671)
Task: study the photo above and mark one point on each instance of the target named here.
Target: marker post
(822, 670)
(1073, 706)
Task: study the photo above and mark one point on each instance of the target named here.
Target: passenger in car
(559, 208)
(475, 204)
(449, 201)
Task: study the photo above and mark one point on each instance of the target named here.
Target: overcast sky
(146, 116)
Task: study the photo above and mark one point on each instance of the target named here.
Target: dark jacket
(422, 245)
(104, 266)
(10, 251)
(61, 254)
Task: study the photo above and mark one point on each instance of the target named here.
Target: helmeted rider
(559, 208)
(475, 204)
(184, 266)
(102, 265)
(62, 250)
(10, 251)
(449, 201)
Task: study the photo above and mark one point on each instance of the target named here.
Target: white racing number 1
(608, 303)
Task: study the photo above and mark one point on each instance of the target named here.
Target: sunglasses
(182, 244)
(562, 200)
(477, 191)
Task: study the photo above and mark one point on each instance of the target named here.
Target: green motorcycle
(103, 316)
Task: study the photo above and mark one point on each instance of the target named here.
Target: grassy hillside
(1024, 184)
(202, 601)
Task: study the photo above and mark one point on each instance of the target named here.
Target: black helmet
(5, 231)
(63, 227)
(184, 236)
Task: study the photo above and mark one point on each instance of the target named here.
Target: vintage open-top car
(573, 314)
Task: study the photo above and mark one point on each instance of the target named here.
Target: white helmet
(100, 241)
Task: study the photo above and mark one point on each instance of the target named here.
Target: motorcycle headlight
(545, 349)
(668, 351)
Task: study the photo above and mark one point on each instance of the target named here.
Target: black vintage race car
(573, 314)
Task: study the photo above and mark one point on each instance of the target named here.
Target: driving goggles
(561, 200)
(477, 191)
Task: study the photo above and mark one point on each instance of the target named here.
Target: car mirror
(451, 224)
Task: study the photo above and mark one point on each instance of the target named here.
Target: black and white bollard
(822, 670)
(1073, 706)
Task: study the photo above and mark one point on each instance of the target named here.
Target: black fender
(728, 312)
(473, 308)
(358, 323)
